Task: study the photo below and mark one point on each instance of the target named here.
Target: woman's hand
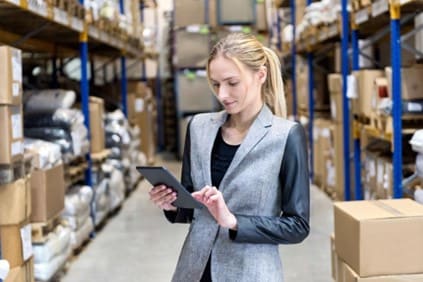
(163, 197)
(213, 200)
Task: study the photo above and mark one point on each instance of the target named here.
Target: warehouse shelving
(61, 30)
(371, 20)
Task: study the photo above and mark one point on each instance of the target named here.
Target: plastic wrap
(56, 135)
(74, 222)
(101, 196)
(79, 236)
(116, 188)
(45, 271)
(48, 154)
(77, 199)
(48, 100)
(56, 243)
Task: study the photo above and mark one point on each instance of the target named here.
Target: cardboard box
(349, 275)
(190, 12)
(10, 76)
(321, 148)
(47, 193)
(411, 82)
(15, 202)
(135, 106)
(381, 237)
(235, 11)
(336, 106)
(11, 142)
(146, 122)
(194, 93)
(191, 48)
(335, 82)
(15, 243)
(24, 273)
(97, 124)
(140, 89)
(261, 21)
(365, 83)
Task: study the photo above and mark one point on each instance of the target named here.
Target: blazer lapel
(257, 131)
(208, 138)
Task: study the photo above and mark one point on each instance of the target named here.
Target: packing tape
(388, 208)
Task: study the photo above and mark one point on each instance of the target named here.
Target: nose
(222, 93)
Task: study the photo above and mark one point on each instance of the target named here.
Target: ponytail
(273, 90)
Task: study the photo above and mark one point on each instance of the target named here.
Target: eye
(232, 84)
(215, 85)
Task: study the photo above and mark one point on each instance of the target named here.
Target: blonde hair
(246, 49)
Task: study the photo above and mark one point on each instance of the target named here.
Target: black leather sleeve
(184, 215)
(293, 225)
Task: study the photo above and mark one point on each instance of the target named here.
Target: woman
(247, 165)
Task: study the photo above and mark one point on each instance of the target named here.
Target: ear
(262, 74)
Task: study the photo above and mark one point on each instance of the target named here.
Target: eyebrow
(225, 79)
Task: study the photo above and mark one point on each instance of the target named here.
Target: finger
(157, 189)
(213, 199)
(167, 200)
(159, 195)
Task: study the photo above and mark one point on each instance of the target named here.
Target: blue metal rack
(357, 150)
(396, 97)
(345, 108)
(123, 81)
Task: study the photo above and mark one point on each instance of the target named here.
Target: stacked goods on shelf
(77, 214)
(143, 113)
(369, 243)
(15, 180)
(49, 116)
(101, 201)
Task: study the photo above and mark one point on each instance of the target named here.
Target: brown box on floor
(15, 201)
(349, 275)
(24, 273)
(10, 76)
(15, 243)
(369, 236)
(11, 142)
(47, 193)
(97, 124)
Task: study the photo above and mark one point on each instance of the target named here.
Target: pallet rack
(376, 15)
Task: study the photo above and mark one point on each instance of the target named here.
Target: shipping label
(26, 238)
(16, 120)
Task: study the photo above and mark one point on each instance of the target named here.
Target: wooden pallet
(75, 174)
(100, 157)
(42, 229)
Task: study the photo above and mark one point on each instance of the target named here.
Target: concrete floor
(138, 244)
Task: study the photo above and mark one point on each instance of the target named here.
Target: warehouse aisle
(139, 245)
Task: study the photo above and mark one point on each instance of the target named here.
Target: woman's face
(236, 87)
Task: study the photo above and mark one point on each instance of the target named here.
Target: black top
(222, 155)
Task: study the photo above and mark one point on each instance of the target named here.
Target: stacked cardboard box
(378, 241)
(11, 143)
(142, 112)
(96, 108)
(364, 102)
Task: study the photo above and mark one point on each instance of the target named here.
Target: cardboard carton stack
(15, 189)
(142, 112)
(378, 241)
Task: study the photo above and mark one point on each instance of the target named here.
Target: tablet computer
(158, 175)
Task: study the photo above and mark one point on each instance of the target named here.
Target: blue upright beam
(357, 150)
(396, 98)
(123, 86)
(346, 118)
(293, 60)
(85, 96)
(143, 67)
(123, 80)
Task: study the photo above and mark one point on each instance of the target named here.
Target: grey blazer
(267, 188)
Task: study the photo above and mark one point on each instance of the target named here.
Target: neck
(243, 120)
